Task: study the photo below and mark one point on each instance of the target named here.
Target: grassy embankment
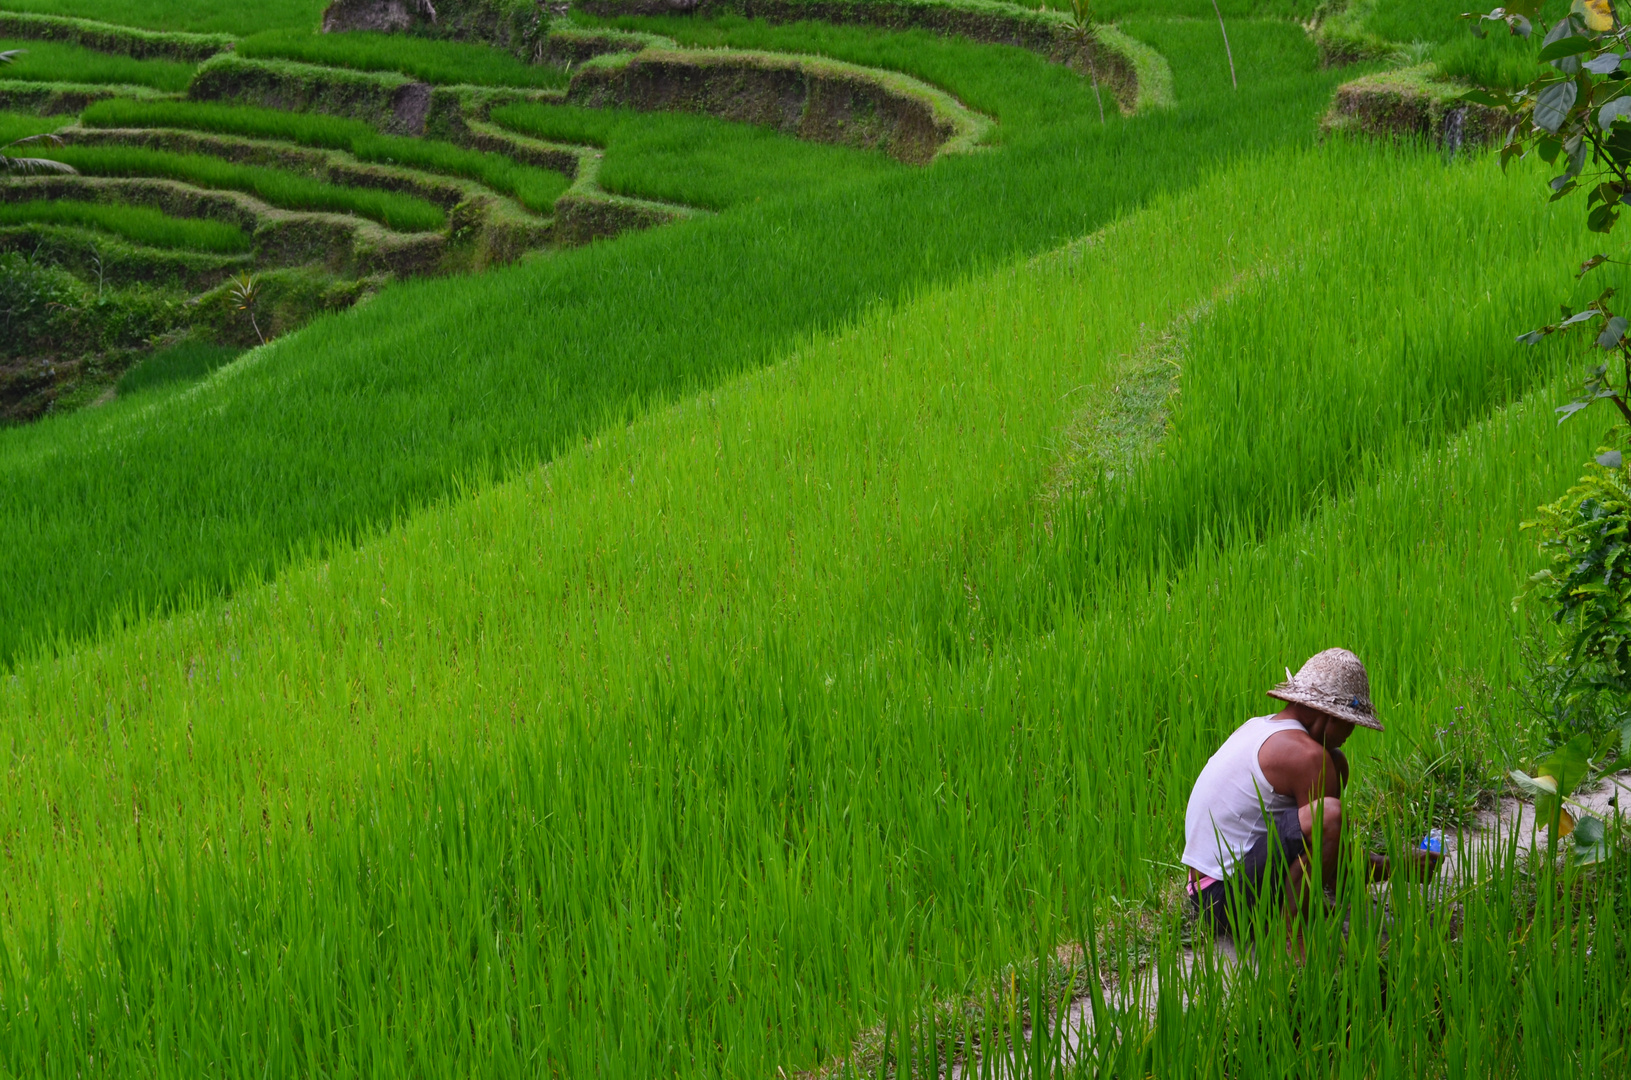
(835, 688)
(535, 188)
(590, 337)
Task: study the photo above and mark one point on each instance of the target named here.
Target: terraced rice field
(596, 543)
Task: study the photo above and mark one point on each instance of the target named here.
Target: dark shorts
(1261, 870)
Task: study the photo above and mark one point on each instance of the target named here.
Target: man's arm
(1297, 766)
(1340, 760)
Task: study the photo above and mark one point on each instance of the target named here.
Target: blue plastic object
(1434, 842)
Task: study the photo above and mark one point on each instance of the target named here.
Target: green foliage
(433, 61)
(52, 61)
(135, 223)
(535, 188)
(35, 300)
(1574, 113)
(277, 187)
(1585, 586)
(46, 311)
(184, 362)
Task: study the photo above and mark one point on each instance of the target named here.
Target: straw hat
(1335, 683)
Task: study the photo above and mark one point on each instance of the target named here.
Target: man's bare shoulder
(1291, 760)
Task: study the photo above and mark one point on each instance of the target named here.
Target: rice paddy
(535, 188)
(448, 62)
(780, 641)
(135, 223)
(278, 187)
(57, 62)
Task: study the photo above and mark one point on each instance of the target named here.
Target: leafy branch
(1576, 115)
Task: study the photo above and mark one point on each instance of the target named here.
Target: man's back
(1225, 818)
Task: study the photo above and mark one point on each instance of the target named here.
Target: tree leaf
(1610, 459)
(1561, 29)
(1579, 317)
(1603, 64)
(1565, 46)
(1483, 97)
(1552, 105)
(1598, 14)
(1613, 110)
(1567, 765)
(1576, 149)
(1533, 337)
(1534, 786)
(1591, 841)
(1612, 334)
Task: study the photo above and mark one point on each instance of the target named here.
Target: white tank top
(1225, 816)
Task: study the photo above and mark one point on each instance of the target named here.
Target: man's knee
(1326, 814)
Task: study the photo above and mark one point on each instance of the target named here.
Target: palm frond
(50, 136)
(33, 165)
(11, 54)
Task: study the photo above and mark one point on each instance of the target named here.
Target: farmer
(1274, 789)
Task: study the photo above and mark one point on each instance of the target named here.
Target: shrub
(1585, 537)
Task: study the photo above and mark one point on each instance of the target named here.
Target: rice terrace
(815, 538)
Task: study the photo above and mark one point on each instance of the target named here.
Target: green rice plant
(201, 16)
(184, 362)
(597, 335)
(535, 188)
(307, 129)
(51, 61)
(277, 187)
(697, 160)
(1023, 91)
(138, 224)
(434, 61)
(799, 703)
(1500, 62)
(14, 126)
